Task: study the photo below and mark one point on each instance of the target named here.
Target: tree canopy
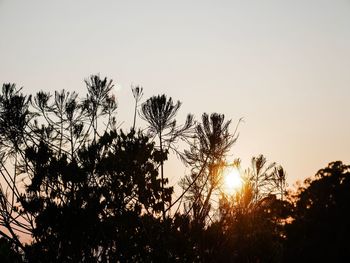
(77, 188)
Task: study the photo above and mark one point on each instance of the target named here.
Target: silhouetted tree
(14, 136)
(266, 179)
(99, 103)
(79, 188)
(137, 92)
(159, 112)
(206, 157)
(91, 208)
(320, 228)
(251, 224)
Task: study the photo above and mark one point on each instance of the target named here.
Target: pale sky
(284, 66)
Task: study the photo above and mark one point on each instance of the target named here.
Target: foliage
(250, 225)
(206, 157)
(86, 209)
(266, 179)
(78, 189)
(8, 253)
(137, 92)
(87, 189)
(159, 112)
(320, 229)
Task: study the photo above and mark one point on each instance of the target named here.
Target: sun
(232, 181)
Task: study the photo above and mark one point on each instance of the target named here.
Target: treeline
(76, 188)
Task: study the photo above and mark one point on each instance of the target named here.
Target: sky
(283, 66)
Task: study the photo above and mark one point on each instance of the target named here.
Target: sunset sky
(284, 66)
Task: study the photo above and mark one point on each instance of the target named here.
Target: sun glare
(232, 181)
